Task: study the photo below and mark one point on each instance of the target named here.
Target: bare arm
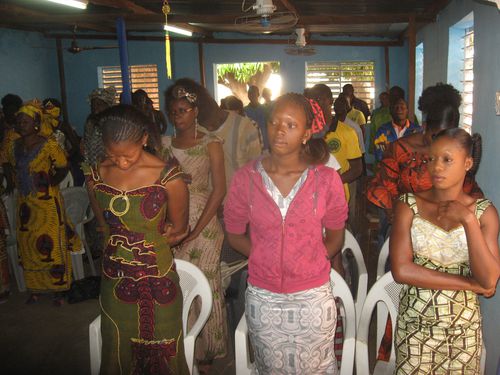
(240, 242)
(482, 241)
(95, 206)
(334, 240)
(407, 272)
(177, 210)
(216, 155)
(354, 172)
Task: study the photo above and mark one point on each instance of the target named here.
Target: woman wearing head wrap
(45, 238)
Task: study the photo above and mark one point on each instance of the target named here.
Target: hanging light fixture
(80, 4)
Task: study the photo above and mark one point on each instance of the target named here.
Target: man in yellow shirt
(342, 142)
(341, 138)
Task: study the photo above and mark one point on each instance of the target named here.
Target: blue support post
(122, 44)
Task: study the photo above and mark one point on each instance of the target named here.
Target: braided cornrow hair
(471, 144)
(123, 123)
(315, 150)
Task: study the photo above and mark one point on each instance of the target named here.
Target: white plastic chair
(385, 290)
(10, 203)
(67, 181)
(341, 290)
(76, 205)
(193, 284)
(350, 243)
(382, 312)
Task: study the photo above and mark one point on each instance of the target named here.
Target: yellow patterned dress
(141, 300)
(45, 238)
(438, 331)
(205, 250)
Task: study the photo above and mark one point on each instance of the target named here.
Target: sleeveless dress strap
(410, 200)
(481, 205)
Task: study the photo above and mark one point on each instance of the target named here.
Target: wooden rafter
(17, 15)
(123, 4)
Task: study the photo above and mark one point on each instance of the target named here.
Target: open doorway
(234, 79)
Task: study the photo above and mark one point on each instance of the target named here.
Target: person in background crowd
(444, 248)
(380, 116)
(45, 238)
(241, 137)
(93, 149)
(257, 113)
(355, 102)
(233, 104)
(141, 300)
(267, 95)
(67, 138)
(399, 127)
(141, 101)
(201, 158)
(10, 105)
(342, 143)
(272, 202)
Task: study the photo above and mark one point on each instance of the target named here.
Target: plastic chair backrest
(341, 290)
(351, 244)
(193, 283)
(67, 181)
(382, 258)
(385, 290)
(76, 204)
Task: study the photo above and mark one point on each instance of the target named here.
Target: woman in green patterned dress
(201, 157)
(444, 246)
(141, 300)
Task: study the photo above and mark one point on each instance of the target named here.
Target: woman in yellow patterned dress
(45, 238)
(202, 158)
(141, 300)
(444, 246)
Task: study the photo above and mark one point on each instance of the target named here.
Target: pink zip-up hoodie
(288, 255)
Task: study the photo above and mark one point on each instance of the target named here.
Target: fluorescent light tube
(80, 4)
(177, 30)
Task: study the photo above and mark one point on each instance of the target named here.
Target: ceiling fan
(263, 18)
(297, 44)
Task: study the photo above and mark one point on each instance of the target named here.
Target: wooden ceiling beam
(13, 15)
(215, 19)
(359, 43)
(123, 4)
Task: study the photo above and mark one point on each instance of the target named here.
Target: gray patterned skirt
(292, 333)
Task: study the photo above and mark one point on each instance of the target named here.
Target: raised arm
(216, 156)
(403, 268)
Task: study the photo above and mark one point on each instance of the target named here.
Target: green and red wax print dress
(141, 300)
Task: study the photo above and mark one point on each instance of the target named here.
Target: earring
(175, 134)
(304, 141)
(196, 128)
(37, 128)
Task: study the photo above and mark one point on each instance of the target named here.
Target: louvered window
(468, 79)
(360, 74)
(141, 76)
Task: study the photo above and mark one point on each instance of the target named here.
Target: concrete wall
(28, 65)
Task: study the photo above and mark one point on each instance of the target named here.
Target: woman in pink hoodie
(275, 214)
